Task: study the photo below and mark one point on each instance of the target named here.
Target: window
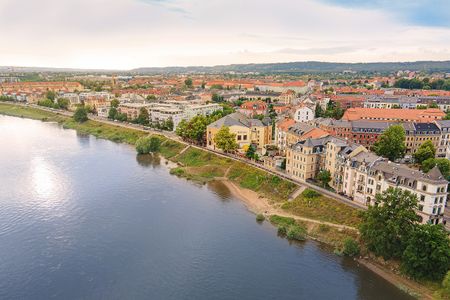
(421, 207)
(424, 188)
(422, 198)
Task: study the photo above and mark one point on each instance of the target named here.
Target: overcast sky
(123, 34)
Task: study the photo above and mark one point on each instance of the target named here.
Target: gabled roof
(236, 119)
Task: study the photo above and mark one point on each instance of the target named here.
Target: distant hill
(308, 67)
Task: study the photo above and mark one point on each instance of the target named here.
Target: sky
(125, 34)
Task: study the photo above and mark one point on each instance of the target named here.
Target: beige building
(248, 131)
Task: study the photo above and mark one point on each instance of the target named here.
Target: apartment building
(393, 115)
(360, 174)
(248, 131)
(303, 114)
(281, 130)
(253, 108)
(443, 149)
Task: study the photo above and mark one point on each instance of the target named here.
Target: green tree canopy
(225, 140)
(148, 144)
(51, 95)
(115, 103)
(63, 103)
(425, 151)
(143, 117)
(442, 163)
(80, 115)
(324, 176)
(391, 143)
(387, 225)
(427, 254)
(112, 113)
(188, 82)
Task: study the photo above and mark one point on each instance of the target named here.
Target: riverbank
(260, 191)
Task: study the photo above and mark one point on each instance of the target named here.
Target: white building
(444, 142)
(303, 114)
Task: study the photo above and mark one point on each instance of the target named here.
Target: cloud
(134, 33)
(419, 12)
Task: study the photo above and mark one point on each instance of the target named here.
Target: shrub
(324, 228)
(260, 218)
(351, 247)
(282, 230)
(309, 193)
(297, 233)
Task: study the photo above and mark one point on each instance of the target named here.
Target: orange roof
(315, 133)
(259, 105)
(384, 114)
(285, 124)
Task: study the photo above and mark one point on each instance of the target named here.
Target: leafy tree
(216, 98)
(425, 151)
(168, 125)
(251, 152)
(319, 111)
(387, 225)
(80, 115)
(121, 117)
(51, 95)
(442, 163)
(283, 164)
(112, 113)
(63, 103)
(391, 143)
(115, 103)
(143, 117)
(47, 103)
(427, 254)
(188, 82)
(225, 140)
(324, 176)
(151, 97)
(148, 144)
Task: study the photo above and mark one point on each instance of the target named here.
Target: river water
(84, 218)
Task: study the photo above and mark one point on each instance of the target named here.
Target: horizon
(129, 34)
(218, 65)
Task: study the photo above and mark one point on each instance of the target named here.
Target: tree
(51, 95)
(427, 254)
(251, 152)
(112, 113)
(319, 111)
(148, 144)
(80, 115)
(391, 143)
(225, 140)
(188, 82)
(151, 97)
(324, 176)
(216, 98)
(115, 103)
(425, 151)
(143, 117)
(442, 163)
(446, 284)
(63, 103)
(168, 125)
(351, 247)
(387, 225)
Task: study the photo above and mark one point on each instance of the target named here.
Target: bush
(324, 228)
(351, 247)
(297, 233)
(260, 218)
(282, 230)
(309, 193)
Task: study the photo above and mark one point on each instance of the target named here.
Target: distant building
(397, 115)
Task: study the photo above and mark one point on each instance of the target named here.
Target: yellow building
(248, 131)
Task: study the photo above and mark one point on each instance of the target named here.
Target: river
(85, 218)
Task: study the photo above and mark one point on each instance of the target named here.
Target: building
(253, 108)
(366, 174)
(281, 130)
(248, 131)
(393, 115)
(132, 110)
(287, 97)
(419, 133)
(444, 142)
(360, 174)
(303, 114)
